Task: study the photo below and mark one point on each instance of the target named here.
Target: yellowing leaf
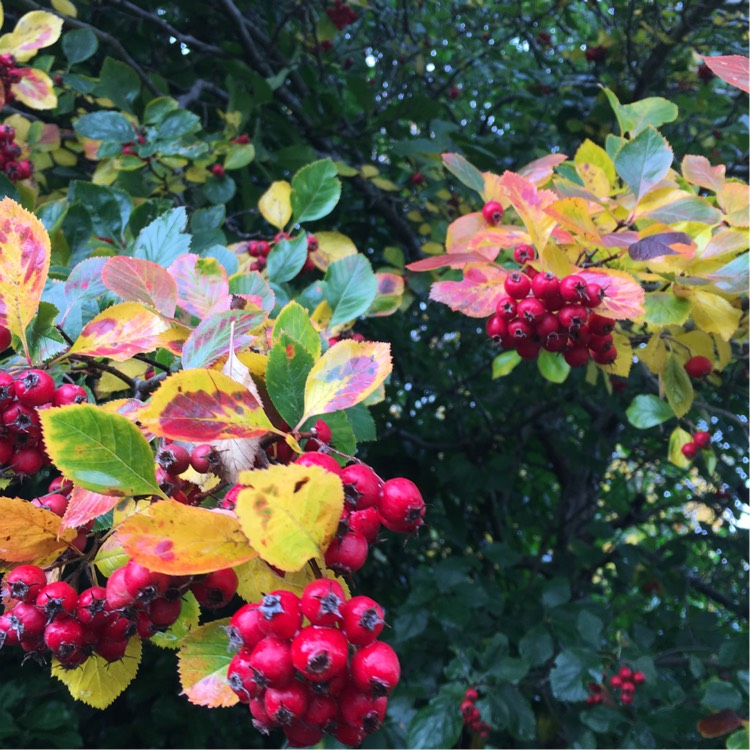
(256, 578)
(624, 296)
(35, 89)
(65, 7)
(654, 355)
(595, 168)
(575, 214)
(32, 32)
(734, 198)
(290, 513)
(677, 386)
(97, 682)
(204, 405)
(202, 662)
(677, 439)
(120, 331)
(109, 383)
(712, 313)
(530, 203)
(275, 205)
(178, 539)
(698, 170)
(24, 264)
(345, 375)
(28, 533)
(85, 505)
(110, 556)
(621, 366)
(332, 246)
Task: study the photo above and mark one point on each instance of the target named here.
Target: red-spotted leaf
(35, 89)
(204, 405)
(138, 280)
(465, 171)
(734, 69)
(345, 375)
(530, 203)
(210, 340)
(719, 724)
(540, 170)
(624, 296)
(202, 285)
(698, 170)
(476, 295)
(202, 663)
(32, 32)
(658, 245)
(449, 260)
(86, 505)
(24, 264)
(120, 331)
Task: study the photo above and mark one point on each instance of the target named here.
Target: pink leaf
(624, 296)
(449, 260)
(138, 280)
(540, 170)
(462, 230)
(698, 170)
(202, 285)
(734, 69)
(476, 295)
(85, 505)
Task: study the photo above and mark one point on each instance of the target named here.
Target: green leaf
(220, 189)
(286, 259)
(510, 669)
(289, 364)
(505, 363)
(294, 321)
(44, 340)
(536, 646)
(644, 161)
(438, 724)
(552, 366)
(515, 712)
(350, 288)
(105, 126)
(363, 425)
(78, 45)
(177, 125)
(664, 309)
(239, 155)
(677, 386)
(315, 191)
(157, 109)
(720, 694)
(589, 626)
(740, 740)
(164, 239)
(254, 285)
(556, 592)
(633, 118)
(465, 171)
(566, 677)
(174, 635)
(102, 452)
(647, 410)
(120, 83)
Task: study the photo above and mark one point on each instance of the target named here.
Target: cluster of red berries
(259, 249)
(174, 459)
(242, 139)
(341, 14)
(21, 445)
(701, 439)
(13, 168)
(472, 715)
(698, 367)
(540, 311)
(625, 681)
(331, 676)
(9, 75)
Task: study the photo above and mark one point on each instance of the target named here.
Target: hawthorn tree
(499, 257)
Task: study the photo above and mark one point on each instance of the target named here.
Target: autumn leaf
(85, 505)
(530, 204)
(140, 280)
(734, 69)
(28, 533)
(275, 205)
(290, 513)
(177, 539)
(202, 285)
(624, 297)
(34, 30)
(476, 295)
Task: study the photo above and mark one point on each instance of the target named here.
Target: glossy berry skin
(517, 285)
(244, 627)
(363, 620)
(496, 327)
(607, 357)
(545, 286)
(492, 212)
(506, 308)
(365, 522)
(319, 653)
(204, 458)
(324, 434)
(572, 316)
(57, 598)
(321, 710)
(164, 612)
(320, 459)
(531, 310)
(376, 668)
(241, 677)
(573, 288)
(271, 662)
(689, 450)
(55, 502)
(281, 614)
(7, 448)
(639, 678)
(702, 439)
(144, 584)
(7, 389)
(524, 253)
(698, 367)
(27, 461)
(348, 554)
(363, 710)
(25, 582)
(286, 705)
(362, 486)
(349, 735)
(69, 393)
(173, 458)
(117, 593)
(63, 636)
(28, 620)
(215, 590)
(593, 296)
(322, 602)
(35, 388)
(111, 650)
(600, 325)
(401, 505)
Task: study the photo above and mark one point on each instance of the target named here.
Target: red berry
(545, 286)
(639, 678)
(119, 626)
(302, 735)
(702, 439)
(28, 620)
(555, 341)
(698, 367)
(365, 522)
(320, 459)
(573, 288)
(401, 506)
(215, 590)
(319, 653)
(531, 310)
(164, 612)
(69, 393)
(241, 677)
(492, 212)
(63, 636)
(528, 348)
(321, 710)
(626, 697)
(7, 448)
(546, 325)
(601, 343)
(281, 614)
(363, 710)
(363, 620)
(287, 704)
(204, 458)
(244, 627)
(143, 584)
(471, 694)
(118, 594)
(517, 285)
(217, 171)
(506, 308)
(593, 295)
(261, 720)
(56, 598)
(25, 582)
(349, 735)
(361, 485)
(524, 253)
(615, 681)
(467, 709)
(625, 673)
(519, 330)
(111, 650)
(496, 327)
(375, 667)
(690, 450)
(5, 338)
(606, 357)
(572, 316)
(7, 389)
(324, 434)
(35, 388)
(22, 420)
(8, 632)
(322, 601)
(348, 554)
(174, 459)
(55, 502)
(271, 662)
(27, 461)
(577, 356)
(90, 608)
(600, 325)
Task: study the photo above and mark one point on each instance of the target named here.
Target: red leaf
(734, 69)
(85, 505)
(719, 724)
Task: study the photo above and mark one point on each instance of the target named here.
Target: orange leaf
(28, 533)
(476, 295)
(24, 264)
(624, 296)
(85, 505)
(698, 170)
(178, 539)
(120, 331)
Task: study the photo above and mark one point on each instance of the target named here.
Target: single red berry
(204, 458)
(689, 450)
(7, 449)
(7, 389)
(639, 678)
(54, 501)
(365, 522)
(173, 458)
(520, 330)
(363, 620)
(593, 295)
(531, 310)
(241, 677)
(24, 583)
(361, 485)
(626, 697)
(698, 367)
(349, 735)
(69, 393)
(545, 286)
(363, 710)
(264, 248)
(322, 602)
(401, 506)
(506, 308)
(416, 178)
(615, 681)
(215, 590)
(91, 607)
(35, 388)
(281, 614)
(496, 327)
(321, 710)
(601, 343)
(287, 704)
(261, 720)
(8, 632)
(164, 612)
(471, 694)
(524, 253)
(320, 459)
(577, 356)
(600, 325)
(555, 341)
(300, 734)
(375, 667)
(118, 594)
(61, 485)
(144, 625)
(573, 316)
(606, 357)
(627, 687)
(111, 650)
(528, 348)
(492, 212)
(27, 461)
(63, 636)
(467, 709)
(57, 598)
(324, 434)
(573, 288)
(702, 439)
(142, 584)
(271, 662)
(22, 420)
(244, 627)
(319, 653)
(517, 285)
(347, 554)
(625, 673)
(217, 170)
(28, 620)
(546, 325)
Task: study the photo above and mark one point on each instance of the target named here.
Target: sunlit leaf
(294, 321)
(698, 170)
(530, 203)
(139, 280)
(476, 295)
(624, 297)
(540, 170)
(644, 161)
(677, 439)
(734, 69)
(712, 313)
(575, 214)
(28, 533)
(332, 246)
(734, 199)
(664, 309)
(275, 204)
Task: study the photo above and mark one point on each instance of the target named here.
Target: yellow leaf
(384, 184)
(595, 168)
(332, 246)
(432, 248)
(178, 539)
(32, 32)
(97, 682)
(368, 171)
(24, 265)
(575, 214)
(724, 352)
(621, 366)
(35, 89)
(712, 313)
(694, 344)
(654, 354)
(275, 205)
(290, 513)
(65, 7)
(109, 383)
(734, 198)
(28, 533)
(257, 578)
(677, 439)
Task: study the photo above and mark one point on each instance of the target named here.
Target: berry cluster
(9, 75)
(13, 168)
(331, 676)
(625, 681)
(259, 249)
(341, 14)
(21, 445)
(174, 459)
(472, 715)
(55, 618)
(698, 367)
(701, 439)
(540, 311)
